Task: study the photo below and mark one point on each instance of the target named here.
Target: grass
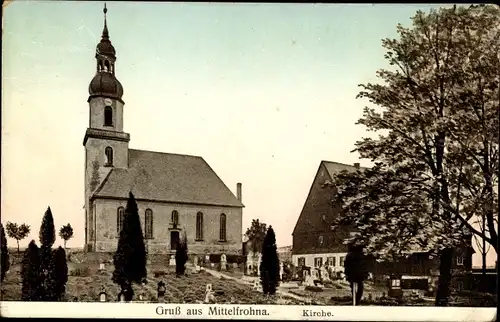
(85, 282)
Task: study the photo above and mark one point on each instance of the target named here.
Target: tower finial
(105, 33)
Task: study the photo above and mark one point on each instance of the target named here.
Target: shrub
(58, 276)
(31, 277)
(5, 263)
(313, 288)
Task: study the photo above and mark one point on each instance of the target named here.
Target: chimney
(238, 191)
(356, 165)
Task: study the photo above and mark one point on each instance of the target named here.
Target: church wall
(107, 237)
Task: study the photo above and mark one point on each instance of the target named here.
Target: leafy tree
(58, 277)
(5, 253)
(31, 277)
(270, 265)
(66, 233)
(17, 232)
(181, 255)
(437, 155)
(130, 256)
(256, 234)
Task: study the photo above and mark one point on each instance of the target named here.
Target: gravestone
(256, 285)
(207, 260)
(325, 277)
(235, 266)
(102, 267)
(161, 292)
(209, 294)
(281, 271)
(223, 262)
(103, 297)
(171, 262)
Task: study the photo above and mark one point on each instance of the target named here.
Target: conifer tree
(58, 276)
(181, 256)
(269, 266)
(130, 256)
(5, 253)
(31, 278)
(47, 237)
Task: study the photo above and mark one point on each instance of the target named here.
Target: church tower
(106, 145)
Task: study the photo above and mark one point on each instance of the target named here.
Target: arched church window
(175, 217)
(108, 116)
(109, 156)
(120, 214)
(199, 226)
(148, 224)
(222, 230)
(106, 66)
(100, 67)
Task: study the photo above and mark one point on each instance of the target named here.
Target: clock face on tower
(108, 102)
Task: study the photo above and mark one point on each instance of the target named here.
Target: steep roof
(317, 210)
(167, 177)
(335, 167)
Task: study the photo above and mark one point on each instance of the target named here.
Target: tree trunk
(483, 253)
(17, 245)
(443, 288)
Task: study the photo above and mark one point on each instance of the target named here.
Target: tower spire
(105, 33)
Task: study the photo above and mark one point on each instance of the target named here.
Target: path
(241, 281)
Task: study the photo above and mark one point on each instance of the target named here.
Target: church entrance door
(174, 239)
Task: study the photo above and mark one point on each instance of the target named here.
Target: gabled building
(314, 241)
(175, 193)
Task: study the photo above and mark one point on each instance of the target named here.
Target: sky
(263, 92)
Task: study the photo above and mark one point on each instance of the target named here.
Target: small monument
(281, 271)
(171, 262)
(209, 294)
(325, 276)
(207, 260)
(256, 285)
(161, 291)
(235, 265)
(223, 262)
(103, 296)
(102, 266)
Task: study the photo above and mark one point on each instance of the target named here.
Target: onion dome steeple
(104, 82)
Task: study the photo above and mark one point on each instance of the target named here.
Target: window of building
(318, 261)
(342, 259)
(109, 156)
(460, 260)
(330, 261)
(108, 116)
(199, 226)
(148, 224)
(222, 231)
(301, 261)
(175, 218)
(396, 282)
(119, 219)
(106, 66)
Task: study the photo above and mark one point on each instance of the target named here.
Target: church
(176, 194)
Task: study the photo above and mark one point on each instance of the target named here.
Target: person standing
(356, 270)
